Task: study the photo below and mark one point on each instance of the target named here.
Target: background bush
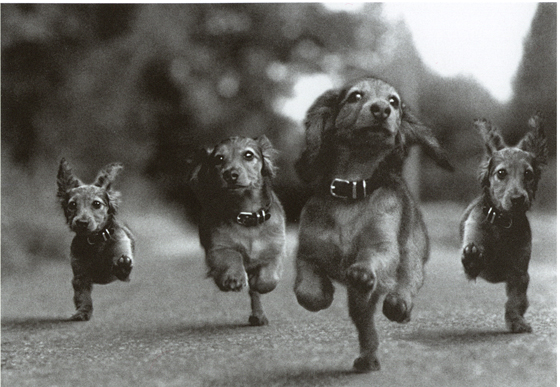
(149, 84)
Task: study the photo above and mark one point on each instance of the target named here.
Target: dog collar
(252, 219)
(359, 189)
(102, 236)
(496, 217)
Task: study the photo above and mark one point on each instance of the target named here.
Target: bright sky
(482, 40)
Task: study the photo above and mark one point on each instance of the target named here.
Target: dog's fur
(376, 245)
(235, 177)
(494, 228)
(102, 249)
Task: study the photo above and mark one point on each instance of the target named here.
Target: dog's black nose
(81, 224)
(231, 176)
(380, 110)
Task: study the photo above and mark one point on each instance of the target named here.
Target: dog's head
(235, 165)
(88, 207)
(510, 175)
(367, 114)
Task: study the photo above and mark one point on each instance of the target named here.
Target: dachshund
(494, 228)
(102, 249)
(241, 222)
(361, 226)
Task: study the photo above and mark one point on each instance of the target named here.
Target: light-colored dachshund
(242, 223)
(361, 227)
(494, 228)
(102, 250)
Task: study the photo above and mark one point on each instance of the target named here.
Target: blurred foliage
(149, 84)
(536, 82)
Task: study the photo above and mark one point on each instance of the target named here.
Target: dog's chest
(347, 224)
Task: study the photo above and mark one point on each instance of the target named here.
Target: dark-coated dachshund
(494, 228)
(102, 250)
(242, 223)
(361, 227)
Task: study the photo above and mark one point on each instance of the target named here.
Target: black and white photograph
(279, 194)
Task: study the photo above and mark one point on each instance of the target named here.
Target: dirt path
(171, 327)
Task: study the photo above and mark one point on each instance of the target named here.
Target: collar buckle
(354, 189)
(250, 219)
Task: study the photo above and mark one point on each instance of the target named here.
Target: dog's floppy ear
(493, 140)
(317, 119)
(535, 141)
(107, 175)
(65, 180)
(268, 154)
(415, 132)
(196, 161)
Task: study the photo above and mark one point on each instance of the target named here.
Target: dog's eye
(218, 159)
(501, 174)
(394, 101)
(72, 206)
(529, 175)
(96, 204)
(248, 155)
(354, 97)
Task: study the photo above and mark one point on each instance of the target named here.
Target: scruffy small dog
(102, 250)
(494, 228)
(242, 223)
(362, 227)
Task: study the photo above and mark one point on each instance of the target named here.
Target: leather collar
(496, 217)
(252, 219)
(100, 237)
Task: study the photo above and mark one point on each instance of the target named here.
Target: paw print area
(122, 268)
(396, 309)
(361, 277)
(232, 280)
(472, 260)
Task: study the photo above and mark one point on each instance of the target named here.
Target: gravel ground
(171, 327)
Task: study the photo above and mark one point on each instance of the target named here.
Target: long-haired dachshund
(494, 228)
(361, 227)
(242, 223)
(102, 250)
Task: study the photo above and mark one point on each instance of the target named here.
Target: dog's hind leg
(82, 298)
(257, 317)
(361, 306)
(314, 290)
(262, 279)
(517, 303)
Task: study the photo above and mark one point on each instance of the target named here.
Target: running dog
(494, 228)
(242, 223)
(361, 227)
(102, 250)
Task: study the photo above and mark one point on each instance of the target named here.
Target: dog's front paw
(472, 260)
(519, 325)
(258, 319)
(396, 309)
(367, 363)
(122, 268)
(81, 316)
(232, 280)
(361, 277)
